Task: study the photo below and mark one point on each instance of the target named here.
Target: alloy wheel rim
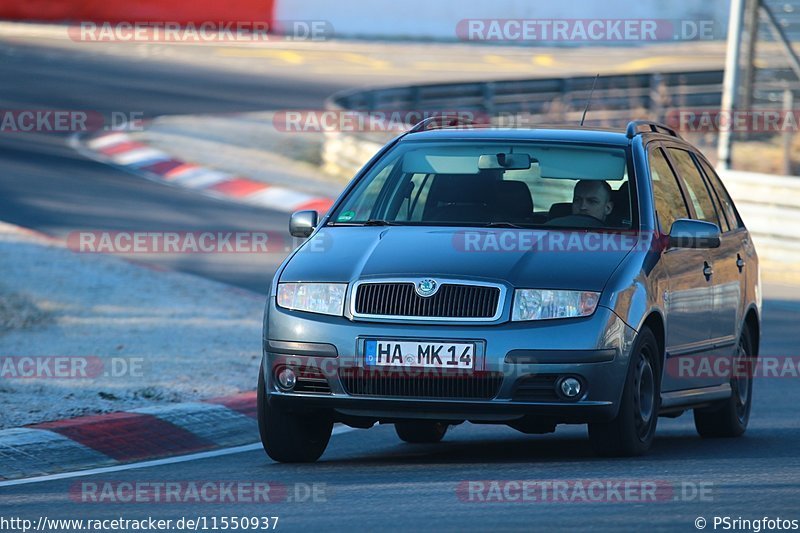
(644, 397)
(741, 382)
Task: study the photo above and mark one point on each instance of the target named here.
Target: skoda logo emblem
(426, 287)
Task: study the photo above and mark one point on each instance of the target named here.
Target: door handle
(739, 262)
(707, 270)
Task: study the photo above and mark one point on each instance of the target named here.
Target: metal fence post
(655, 104)
(748, 76)
(788, 134)
(488, 97)
(730, 84)
(416, 99)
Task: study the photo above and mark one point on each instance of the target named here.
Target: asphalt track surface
(370, 479)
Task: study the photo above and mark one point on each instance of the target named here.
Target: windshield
(493, 184)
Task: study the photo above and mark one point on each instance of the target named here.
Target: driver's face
(590, 198)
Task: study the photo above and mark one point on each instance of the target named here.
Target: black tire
(421, 431)
(631, 432)
(291, 437)
(730, 417)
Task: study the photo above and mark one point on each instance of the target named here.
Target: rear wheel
(632, 431)
(730, 417)
(421, 432)
(291, 437)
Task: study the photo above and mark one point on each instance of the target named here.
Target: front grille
(450, 301)
(536, 388)
(310, 379)
(361, 382)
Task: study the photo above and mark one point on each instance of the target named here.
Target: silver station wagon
(528, 277)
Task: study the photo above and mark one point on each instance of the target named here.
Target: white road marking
(108, 140)
(338, 430)
(139, 155)
(279, 198)
(201, 178)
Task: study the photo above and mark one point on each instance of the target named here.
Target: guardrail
(769, 204)
(615, 101)
(621, 92)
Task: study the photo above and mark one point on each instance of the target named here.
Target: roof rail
(440, 121)
(654, 127)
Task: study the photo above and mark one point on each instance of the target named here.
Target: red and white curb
(124, 437)
(88, 442)
(119, 149)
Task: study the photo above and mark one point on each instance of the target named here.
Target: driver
(593, 198)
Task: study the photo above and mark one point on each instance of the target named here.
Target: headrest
(513, 197)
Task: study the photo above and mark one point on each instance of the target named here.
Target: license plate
(418, 354)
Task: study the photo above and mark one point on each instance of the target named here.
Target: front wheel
(730, 417)
(291, 437)
(631, 432)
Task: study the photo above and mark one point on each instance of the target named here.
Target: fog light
(570, 387)
(287, 379)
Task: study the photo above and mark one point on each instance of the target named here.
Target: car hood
(552, 259)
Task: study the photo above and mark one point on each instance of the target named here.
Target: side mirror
(302, 223)
(686, 233)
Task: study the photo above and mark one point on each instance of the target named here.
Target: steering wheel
(578, 221)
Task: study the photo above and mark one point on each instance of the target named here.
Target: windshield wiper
(370, 222)
(503, 225)
(379, 222)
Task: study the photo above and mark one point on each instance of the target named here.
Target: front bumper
(454, 410)
(594, 349)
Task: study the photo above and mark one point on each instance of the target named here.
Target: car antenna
(590, 99)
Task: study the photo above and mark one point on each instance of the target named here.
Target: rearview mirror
(302, 223)
(503, 161)
(687, 233)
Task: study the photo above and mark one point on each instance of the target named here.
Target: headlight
(324, 298)
(541, 304)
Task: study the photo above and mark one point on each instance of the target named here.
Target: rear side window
(666, 192)
(724, 199)
(695, 187)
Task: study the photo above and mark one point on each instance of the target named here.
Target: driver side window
(669, 202)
